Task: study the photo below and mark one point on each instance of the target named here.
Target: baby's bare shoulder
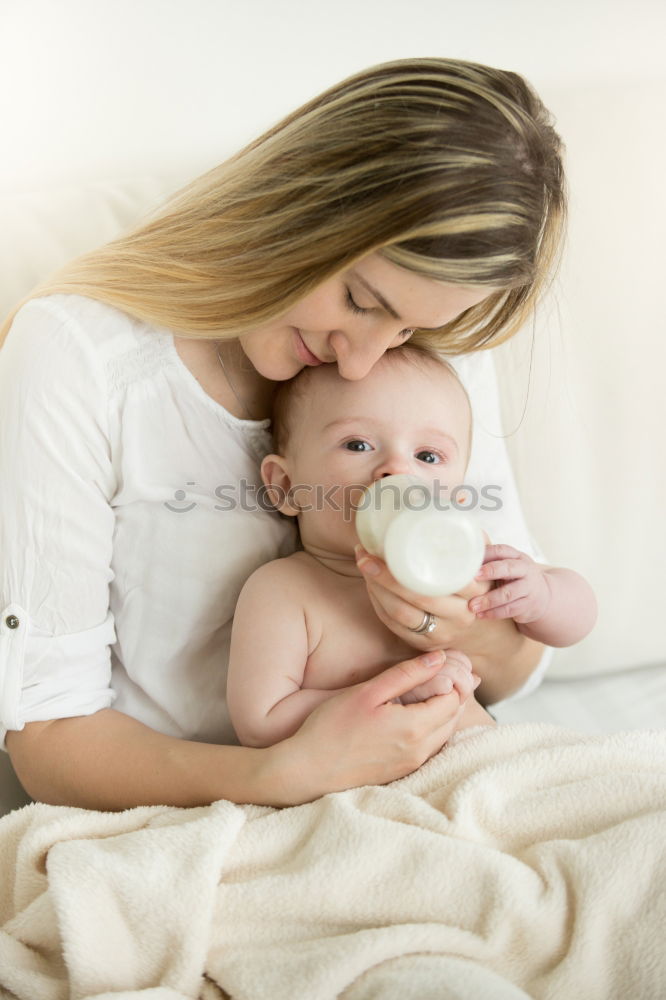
(286, 577)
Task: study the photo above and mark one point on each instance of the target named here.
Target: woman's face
(354, 318)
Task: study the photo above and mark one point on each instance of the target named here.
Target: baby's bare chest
(353, 644)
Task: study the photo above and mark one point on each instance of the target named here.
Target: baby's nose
(394, 465)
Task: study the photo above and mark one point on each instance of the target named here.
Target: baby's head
(332, 437)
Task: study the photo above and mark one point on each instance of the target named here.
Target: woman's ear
(275, 474)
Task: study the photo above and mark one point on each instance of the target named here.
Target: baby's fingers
(500, 552)
(502, 602)
(503, 568)
(454, 657)
(458, 672)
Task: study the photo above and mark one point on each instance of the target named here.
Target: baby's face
(401, 418)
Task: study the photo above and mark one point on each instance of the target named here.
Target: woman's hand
(363, 737)
(502, 656)
(401, 610)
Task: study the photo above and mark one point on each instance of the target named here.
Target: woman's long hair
(449, 169)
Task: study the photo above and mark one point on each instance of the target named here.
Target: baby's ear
(275, 474)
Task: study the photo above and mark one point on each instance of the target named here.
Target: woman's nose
(356, 358)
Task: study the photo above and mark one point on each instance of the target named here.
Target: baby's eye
(357, 445)
(429, 457)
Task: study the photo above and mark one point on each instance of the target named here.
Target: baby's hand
(521, 589)
(456, 673)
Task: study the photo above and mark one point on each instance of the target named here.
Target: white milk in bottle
(428, 549)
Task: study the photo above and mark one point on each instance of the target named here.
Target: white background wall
(106, 89)
(90, 87)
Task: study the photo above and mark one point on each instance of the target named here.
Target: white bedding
(632, 699)
(523, 861)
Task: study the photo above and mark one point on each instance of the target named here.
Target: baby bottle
(428, 549)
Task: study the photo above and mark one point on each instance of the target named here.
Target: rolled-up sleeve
(56, 520)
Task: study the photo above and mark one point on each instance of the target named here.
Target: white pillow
(41, 230)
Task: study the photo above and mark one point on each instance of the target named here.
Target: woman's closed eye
(360, 310)
(354, 305)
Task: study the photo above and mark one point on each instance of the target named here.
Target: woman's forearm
(502, 657)
(359, 737)
(109, 761)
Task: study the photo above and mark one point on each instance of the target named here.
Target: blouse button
(11, 621)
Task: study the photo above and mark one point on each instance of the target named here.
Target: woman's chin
(276, 361)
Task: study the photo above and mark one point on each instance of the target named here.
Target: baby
(304, 626)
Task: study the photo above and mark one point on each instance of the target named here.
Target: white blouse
(130, 520)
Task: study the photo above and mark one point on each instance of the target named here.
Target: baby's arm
(269, 652)
(552, 605)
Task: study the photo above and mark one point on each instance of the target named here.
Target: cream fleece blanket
(522, 861)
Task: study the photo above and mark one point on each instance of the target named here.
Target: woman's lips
(304, 353)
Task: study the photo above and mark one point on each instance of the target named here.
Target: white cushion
(41, 230)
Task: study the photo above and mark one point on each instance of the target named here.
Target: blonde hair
(449, 169)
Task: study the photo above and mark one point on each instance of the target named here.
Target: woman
(420, 198)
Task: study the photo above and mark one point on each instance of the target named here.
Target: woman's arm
(110, 761)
